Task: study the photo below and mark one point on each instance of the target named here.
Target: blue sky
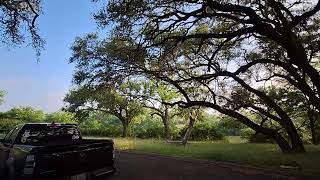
(43, 84)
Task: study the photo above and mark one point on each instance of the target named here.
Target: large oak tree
(220, 49)
(86, 99)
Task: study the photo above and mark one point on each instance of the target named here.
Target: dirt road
(135, 166)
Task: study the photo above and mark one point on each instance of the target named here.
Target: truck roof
(48, 124)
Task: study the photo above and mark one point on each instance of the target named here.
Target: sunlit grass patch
(236, 139)
(125, 144)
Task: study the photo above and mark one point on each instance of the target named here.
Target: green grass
(263, 155)
(236, 139)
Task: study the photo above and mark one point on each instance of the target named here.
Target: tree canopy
(62, 117)
(85, 99)
(1, 96)
(25, 114)
(18, 23)
(217, 54)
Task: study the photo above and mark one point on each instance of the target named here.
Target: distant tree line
(107, 125)
(205, 127)
(22, 115)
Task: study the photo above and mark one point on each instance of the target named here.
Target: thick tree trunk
(298, 56)
(124, 130)
(312, 127)
(282, 143)
(284, 119)
(296, 141)
(125, 123)
(166, 126)
(189, 131)
(297, 146)
(314, 139)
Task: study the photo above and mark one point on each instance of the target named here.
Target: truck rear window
(46, 134)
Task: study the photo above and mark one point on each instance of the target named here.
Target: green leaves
(61, 117)
(18, 23)
(1, 96)
(26, 114)
(205, 53)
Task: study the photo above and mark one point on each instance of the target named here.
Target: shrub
(176, 133)
(260, 138)
(203, 132)
(105, 132)
(62, 117)
(7, 124)
(26, 114)
(147, 128)
(252, 136)
(246, 133)
(229, 126)
(98, 124)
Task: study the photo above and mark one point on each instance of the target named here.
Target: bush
(7, 124)
(61, 117)
(146, 128)
(252, 136)
(246, 133)
(26, 114)
(260, 138)
(176, 133)
(104, 132)
(229, 126)
(203, 132)
(98, 124)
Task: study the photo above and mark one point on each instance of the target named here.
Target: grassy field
(263, 155)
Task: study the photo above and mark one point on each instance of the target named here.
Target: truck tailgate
(73, 159)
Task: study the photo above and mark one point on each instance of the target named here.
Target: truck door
(4, 152)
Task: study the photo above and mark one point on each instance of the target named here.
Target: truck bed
(68, 159)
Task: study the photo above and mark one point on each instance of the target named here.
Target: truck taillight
(29, 165)
(53, 124)
(30, 158)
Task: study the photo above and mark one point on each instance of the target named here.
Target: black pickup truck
(53, 150)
